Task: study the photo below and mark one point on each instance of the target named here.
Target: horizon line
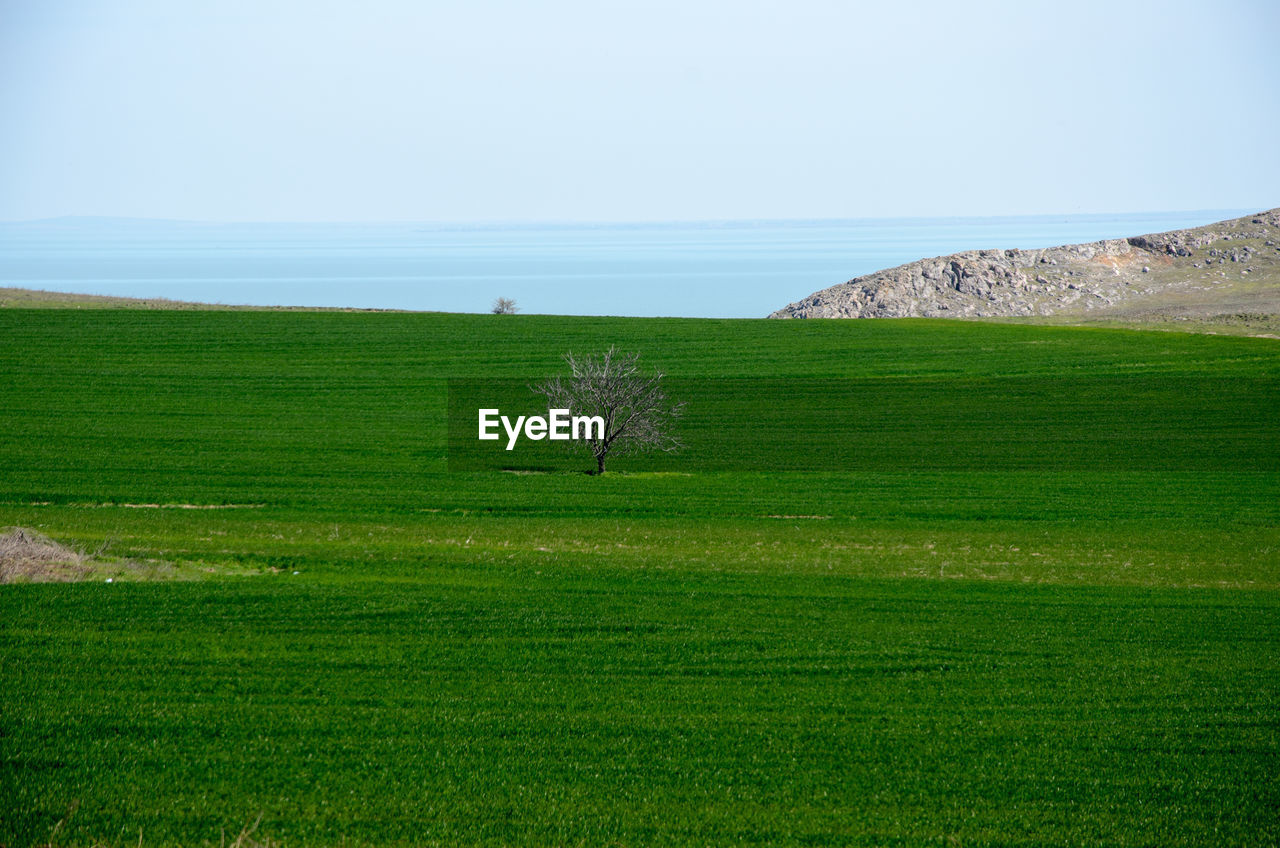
(571, 222)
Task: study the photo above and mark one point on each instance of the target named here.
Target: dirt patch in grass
(183, 506)
(30, 557)
(798, 517)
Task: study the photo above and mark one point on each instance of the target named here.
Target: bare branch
(637, 414)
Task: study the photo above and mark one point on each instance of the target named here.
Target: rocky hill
(1222, 270)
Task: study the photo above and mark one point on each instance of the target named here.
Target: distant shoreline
(740, 269)
(19, 298)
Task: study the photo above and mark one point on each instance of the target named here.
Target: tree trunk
(600, 464)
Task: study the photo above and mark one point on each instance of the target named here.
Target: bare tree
(505, 306)
(637, 414)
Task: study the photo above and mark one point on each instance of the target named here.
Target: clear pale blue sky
(272, 110)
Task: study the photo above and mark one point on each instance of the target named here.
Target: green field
(1040, 604)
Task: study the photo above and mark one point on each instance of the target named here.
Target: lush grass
(490, 704)
(955, 647)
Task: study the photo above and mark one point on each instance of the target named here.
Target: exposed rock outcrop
(1078, 278)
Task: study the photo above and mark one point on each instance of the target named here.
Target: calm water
(730, 270)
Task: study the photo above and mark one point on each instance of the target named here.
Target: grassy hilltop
(1039, 604)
